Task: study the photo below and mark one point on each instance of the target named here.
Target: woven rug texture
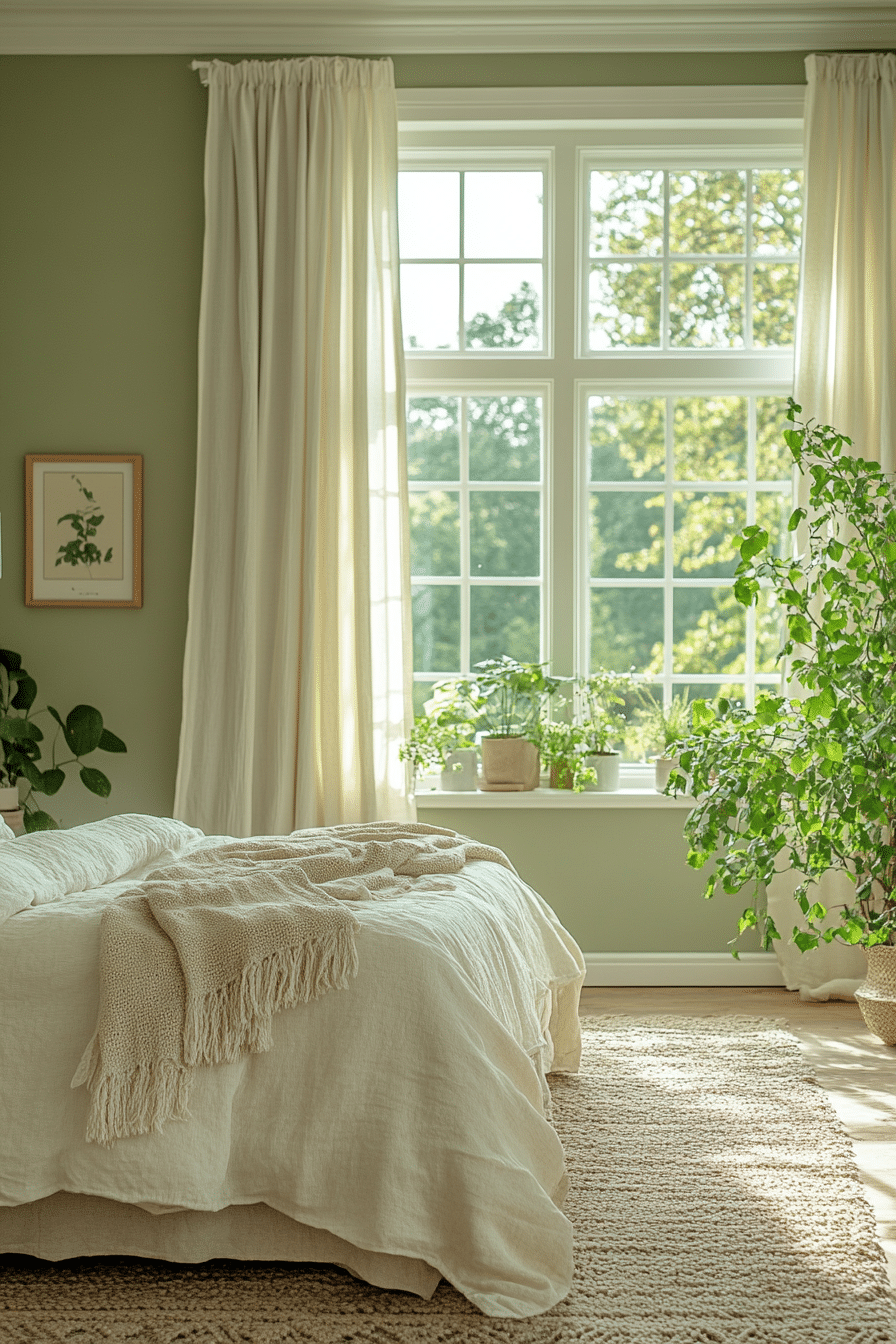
(713, 1192)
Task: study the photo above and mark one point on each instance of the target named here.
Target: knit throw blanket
(196, 959)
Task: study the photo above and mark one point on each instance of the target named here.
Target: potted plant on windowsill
(20, 744)
(514, 694)
(562, 748)
(601, 698)
(806, 781)
(443, 738)
(662, 729)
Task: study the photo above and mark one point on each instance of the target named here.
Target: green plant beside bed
(21, 752)
(806, 781)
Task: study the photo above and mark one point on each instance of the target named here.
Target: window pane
(505, 534)
(626, 535)
(502, 306)
(774, 461)
(625, 302)
(436, 621)
(627, 213)
(772, 513)
(628, 438)
(705, 525)
(703, 690)
(422, 693)
(503, 214)
(626, 628)
(504, 620)
(433, 440)
(777, 210)
(429, 306)
(769, 631)
(429, 214)
(706, 305)
(775, 287)
(435, 532)
(709, 631)
(707, 211)
(505, 438)
(710, 438)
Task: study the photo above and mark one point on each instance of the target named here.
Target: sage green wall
(101, 219)
(617, 878)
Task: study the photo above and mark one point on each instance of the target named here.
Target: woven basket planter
(876, 996)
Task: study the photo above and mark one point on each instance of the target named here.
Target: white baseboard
(682, 968)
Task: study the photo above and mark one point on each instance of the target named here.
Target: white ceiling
(403, 26)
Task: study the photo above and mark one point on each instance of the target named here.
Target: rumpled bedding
(405, 1114)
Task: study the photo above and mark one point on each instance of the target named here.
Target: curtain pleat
(297, 672)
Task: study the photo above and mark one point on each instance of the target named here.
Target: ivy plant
(82, 731)
(806, 781)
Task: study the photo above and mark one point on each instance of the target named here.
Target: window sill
(548, 798)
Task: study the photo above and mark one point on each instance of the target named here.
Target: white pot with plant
(443, 739)
(513, 696)
(601, 700)
(662, 728)
(82, 732)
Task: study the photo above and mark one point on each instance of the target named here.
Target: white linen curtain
(297, 671)
(846, 338)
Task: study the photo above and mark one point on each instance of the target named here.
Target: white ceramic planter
(606, 767)
(9, 798)
(509, 764)
(662, 769)
(459, 775)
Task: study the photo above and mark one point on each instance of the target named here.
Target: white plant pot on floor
(9, 798)
(606, 767)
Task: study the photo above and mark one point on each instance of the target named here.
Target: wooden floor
(856, 1069)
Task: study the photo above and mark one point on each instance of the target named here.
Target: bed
(399, 1126)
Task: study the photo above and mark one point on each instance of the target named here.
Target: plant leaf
(95, 781)
(51, 781)
(83, 729)
(26, 693)
(109, 742)
(40, 821)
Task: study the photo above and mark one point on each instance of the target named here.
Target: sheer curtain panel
(297, 668)
(846, 339)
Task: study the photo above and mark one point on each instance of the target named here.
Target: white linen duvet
(405, 1114)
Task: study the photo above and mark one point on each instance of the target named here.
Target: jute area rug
(713, 1193)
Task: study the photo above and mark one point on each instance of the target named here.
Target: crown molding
(368, 27)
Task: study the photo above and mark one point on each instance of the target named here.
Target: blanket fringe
(138, 1102)
(236, 1019)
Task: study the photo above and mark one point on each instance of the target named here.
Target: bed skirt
(64, 1225)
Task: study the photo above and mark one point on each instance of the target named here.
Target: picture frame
(83, 530)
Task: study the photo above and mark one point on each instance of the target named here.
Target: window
(599, 335)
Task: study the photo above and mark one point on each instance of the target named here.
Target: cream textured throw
(196, 959)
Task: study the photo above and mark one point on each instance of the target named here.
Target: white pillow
(49, 865)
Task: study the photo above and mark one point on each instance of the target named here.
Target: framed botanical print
(83, 530)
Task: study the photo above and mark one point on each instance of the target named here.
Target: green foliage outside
(21, 752)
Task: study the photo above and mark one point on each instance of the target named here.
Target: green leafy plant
(662, 728)
(513, 696)
(601, 699)
(82, 550)
(82, 732)
(563, 747)
(451, 722)
(806, 781)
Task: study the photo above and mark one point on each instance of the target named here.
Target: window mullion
(464, 509)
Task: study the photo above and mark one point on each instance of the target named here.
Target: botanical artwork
(83, 530)
(83, 523)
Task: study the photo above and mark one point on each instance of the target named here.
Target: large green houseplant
(807, 780)
(513, 699)
(82, 732)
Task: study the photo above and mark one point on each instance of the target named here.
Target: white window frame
(574, 130)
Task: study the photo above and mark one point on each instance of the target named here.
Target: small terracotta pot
(561, 776)
(509, 764)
